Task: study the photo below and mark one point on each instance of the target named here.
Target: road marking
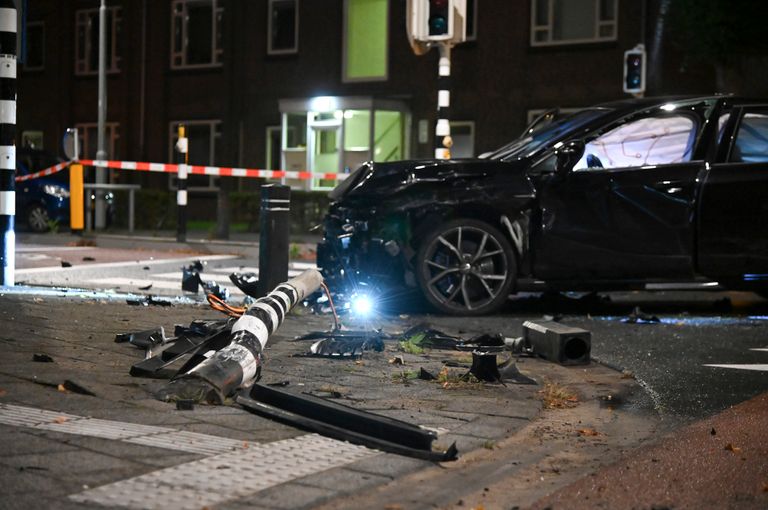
(156, 285)
(148, 435)
(764, 349)
(47, 247)
(756, 367)
(88, 267)
(229, 476)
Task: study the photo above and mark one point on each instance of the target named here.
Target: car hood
(373, 180)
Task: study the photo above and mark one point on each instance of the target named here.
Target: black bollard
(274, 234)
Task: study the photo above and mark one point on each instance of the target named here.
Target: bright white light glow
(668, 107)
(362, 305)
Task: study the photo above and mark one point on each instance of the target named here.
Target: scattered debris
(88, 259)
(588, 432)
(64, 263)
(731, 448)
(424, 375)
(557, 342)
(71, 386)
(510, 373)
(345, 423)
(397, 360)
(344, 344)
(247, 282)
(713, 432)
(42, 358)
(144, 339)
(637, 316)
(149, 300)
(185, 405)
(190, 278)
(211, 287)
(146, 287)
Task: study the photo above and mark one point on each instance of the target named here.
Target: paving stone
(344, 480)
(75, 461)
(287, 496)
(18, 441)
(389, 465)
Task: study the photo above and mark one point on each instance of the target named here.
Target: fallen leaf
(588, 432)
(62, 389)
(61, 419)
(393, 507)
(731, 448)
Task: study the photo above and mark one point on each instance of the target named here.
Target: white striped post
(7, 141)
(239, 364)
(182, 155)
(443, 128)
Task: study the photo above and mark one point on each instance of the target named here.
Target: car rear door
(733, 208)
(625, 211)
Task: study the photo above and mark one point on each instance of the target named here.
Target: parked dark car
(617, 196)
(43, 201)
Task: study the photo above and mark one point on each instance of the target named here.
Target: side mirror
(568, 155)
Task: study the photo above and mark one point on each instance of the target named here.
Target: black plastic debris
(557, 342)
(42, 358)
(423, 335)
(74, 387)
(346, 344)
(88, 259)
(149, 301)
(484, 367)
(64, 263)
(345, 423)
(247, 282)
(637, 316)
(426, 375)
(211, 287)
(511, 374)
(185, 405)
(147, 287)
(143, 339)
(190, 278)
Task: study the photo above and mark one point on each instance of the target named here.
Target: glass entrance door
(325, 147)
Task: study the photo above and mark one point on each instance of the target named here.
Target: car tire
(37, 218)
(466, 267)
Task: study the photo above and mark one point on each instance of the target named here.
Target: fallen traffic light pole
(238, 364)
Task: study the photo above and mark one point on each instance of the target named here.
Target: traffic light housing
(430, 21)
(634, 70)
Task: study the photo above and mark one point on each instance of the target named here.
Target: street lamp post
(101, 151)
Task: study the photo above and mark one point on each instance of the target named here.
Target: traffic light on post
(634, 70)
(438, 19)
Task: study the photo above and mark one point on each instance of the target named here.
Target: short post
(182, 153)
(274, 235)
(76, 199)
(7, 142)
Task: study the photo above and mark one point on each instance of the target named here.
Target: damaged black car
(617, 196)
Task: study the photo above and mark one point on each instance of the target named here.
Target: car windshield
(550, 133)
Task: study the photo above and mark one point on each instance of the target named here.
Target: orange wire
(219, 305)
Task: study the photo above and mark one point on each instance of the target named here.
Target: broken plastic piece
(344, 344)
(190, 276)
(143, 339)
(149, 300)
(484, 367)
(211, 287)
(247, 282)
(42, 358)
(345, 423)
(637, 316)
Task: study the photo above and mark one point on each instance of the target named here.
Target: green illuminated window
(365, 43)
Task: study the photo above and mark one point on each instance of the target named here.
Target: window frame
(286, 51)
(41, 67)
(471, 36)
(344, 53)
(742, 113)
(179, 56)
(549, 27)
(81, 20)
(213, 134)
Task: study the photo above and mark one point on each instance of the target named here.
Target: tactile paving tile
(29, 417)
(106, 429)
(228, 476)
(191, 442)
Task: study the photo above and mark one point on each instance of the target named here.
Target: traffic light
(432, 21)
(634, 70)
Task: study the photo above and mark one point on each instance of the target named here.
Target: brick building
(318, 84)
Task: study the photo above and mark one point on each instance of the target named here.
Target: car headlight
(56, 190)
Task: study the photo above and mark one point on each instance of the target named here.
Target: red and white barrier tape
(42, 173)
(191, 169)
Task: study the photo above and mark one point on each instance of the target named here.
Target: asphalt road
(671, 357)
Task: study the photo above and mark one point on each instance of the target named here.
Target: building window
(283, 30)
(32, 139)
(88, 134)
(366, 32)
(87, 40)
(573, 21)
(471, 21)
(196, 33)
(204, 137)
(34, 50)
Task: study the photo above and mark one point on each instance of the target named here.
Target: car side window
(751, 143)
(657, 140)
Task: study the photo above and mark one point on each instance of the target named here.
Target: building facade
(314, 84)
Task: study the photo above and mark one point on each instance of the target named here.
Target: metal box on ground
(557, 342)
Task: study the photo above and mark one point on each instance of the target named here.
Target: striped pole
(7, 141)
(182, 152)
(443, 128)
(239, 364)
